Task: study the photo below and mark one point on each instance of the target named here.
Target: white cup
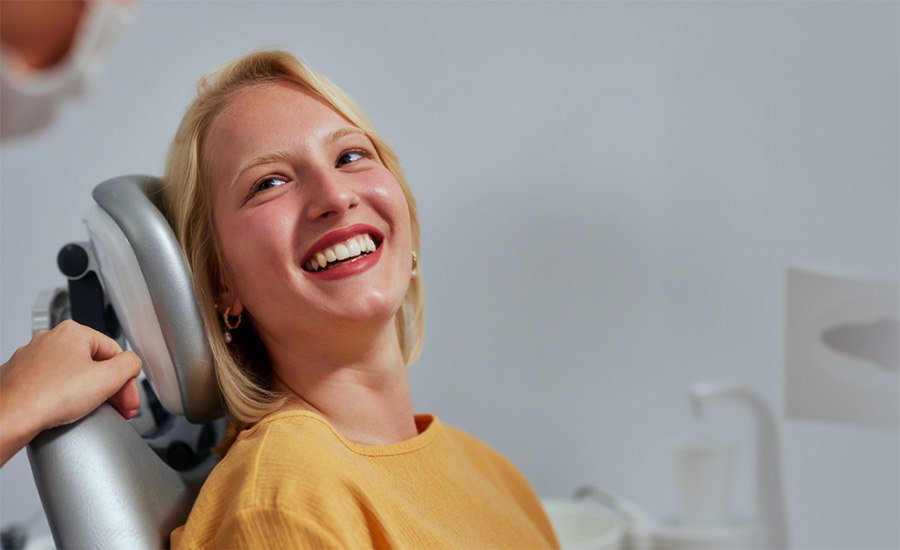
(704, 481)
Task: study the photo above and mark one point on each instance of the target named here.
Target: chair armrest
(102, 486)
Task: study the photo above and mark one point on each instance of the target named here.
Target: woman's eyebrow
(345, 131)
(266, 158)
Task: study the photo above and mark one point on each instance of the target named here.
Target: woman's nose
(328, 195)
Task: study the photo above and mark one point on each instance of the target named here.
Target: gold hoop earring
(415, 266)
(229, 324)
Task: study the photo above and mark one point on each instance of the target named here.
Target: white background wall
(610, 196)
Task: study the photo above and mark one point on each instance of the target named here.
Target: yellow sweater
(292, 481)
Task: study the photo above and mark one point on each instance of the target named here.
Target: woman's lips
(343, 251)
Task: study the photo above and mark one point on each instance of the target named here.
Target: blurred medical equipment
(105, 482)
(586, 524)
(843, 348)
(704, 477)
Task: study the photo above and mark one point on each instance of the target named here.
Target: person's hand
(40, 34)
(60, 376)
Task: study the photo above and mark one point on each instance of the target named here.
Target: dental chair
(105, 482)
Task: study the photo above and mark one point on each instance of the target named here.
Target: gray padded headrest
(169, 337)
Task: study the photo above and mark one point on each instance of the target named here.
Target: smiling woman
(303, 239)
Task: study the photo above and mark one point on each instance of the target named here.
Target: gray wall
(610, 194)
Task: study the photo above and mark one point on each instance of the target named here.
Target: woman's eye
(348, 157)
(265, 184)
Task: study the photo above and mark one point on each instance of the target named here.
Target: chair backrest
(101, 484)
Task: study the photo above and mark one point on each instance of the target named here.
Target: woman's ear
(225, 300)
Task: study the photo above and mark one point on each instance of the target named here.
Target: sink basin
(584, 525)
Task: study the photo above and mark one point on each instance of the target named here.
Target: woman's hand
(60, 376)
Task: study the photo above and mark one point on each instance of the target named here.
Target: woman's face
(313, 230)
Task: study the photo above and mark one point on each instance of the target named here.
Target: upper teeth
(351, 248)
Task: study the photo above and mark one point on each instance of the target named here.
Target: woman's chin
(373, 308)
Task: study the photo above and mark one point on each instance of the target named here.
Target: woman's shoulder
(279, 430)
(472, 445)
(285, 437)
(283, 454)
(477, 454)
(285, 464)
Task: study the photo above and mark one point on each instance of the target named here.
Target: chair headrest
(145, 275)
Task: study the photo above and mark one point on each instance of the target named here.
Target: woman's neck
(360, 385)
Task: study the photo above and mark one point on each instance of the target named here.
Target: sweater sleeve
(272, 528)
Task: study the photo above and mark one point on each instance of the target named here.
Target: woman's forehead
(266, 115)
(246, 103)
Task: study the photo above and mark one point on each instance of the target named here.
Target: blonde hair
(242, 368)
